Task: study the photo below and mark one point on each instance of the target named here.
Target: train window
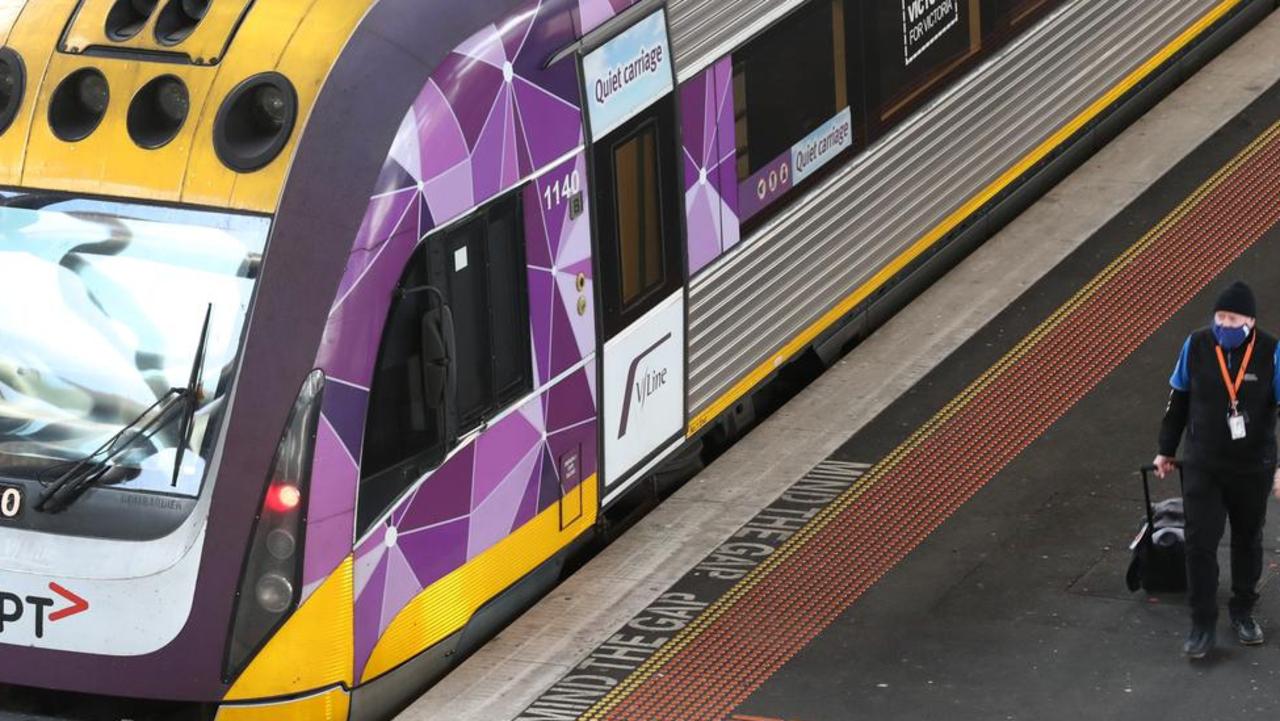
(507, 302)
(462, 265)
(639, 220)
(639, 216)
(401, 428)
(478, 265)
(790, 84)
(916, 46)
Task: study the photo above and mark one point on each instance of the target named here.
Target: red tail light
(283, 498)
(271, 578)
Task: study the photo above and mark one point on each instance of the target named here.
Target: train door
(630, 85)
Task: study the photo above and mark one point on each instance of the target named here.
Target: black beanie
(1237, 298)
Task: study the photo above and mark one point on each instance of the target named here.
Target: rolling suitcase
(1159, 563)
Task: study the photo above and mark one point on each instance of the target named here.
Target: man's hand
(1276, 484)
(1166, 465)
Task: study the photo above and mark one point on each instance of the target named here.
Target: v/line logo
(643, 388)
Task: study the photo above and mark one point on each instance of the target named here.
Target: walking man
(1225, 393)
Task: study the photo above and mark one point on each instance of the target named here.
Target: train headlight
(269, 582)
(127, 18)
(13, 85)
(281, 544)
(272, 107)
(78, 104)
(172, 99)
(195, 8)
(274, 593)
(179, 19)
(94, 93)
(158, 112)
(255, 122)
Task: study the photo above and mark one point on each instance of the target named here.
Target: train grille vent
(197, 32)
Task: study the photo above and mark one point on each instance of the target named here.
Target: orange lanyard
(1234, 388)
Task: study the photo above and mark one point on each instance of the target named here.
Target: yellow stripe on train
(446, 606)
(331, 705)
(314, 649)
(801, 341)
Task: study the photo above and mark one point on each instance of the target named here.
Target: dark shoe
(1199, 641)
(1248, 631)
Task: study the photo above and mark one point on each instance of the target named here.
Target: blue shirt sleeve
(1181, 378)
(1275, 381)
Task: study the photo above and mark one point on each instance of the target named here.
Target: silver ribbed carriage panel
(703, 31)
(805, 261)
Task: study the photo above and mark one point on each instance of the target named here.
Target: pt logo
(643, 388)
(14, 608)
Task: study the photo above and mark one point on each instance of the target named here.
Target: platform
(938, 527)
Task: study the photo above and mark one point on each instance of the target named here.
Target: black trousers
(1210, 498)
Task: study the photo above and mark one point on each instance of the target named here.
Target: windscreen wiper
(96, 467)
(193, 396)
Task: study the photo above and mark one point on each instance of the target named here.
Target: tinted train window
(791, 83)
(479, 267)
(788, 82)
(400, 426)
(639, 218)
(508, 303)
(916, 46)
(465, 282)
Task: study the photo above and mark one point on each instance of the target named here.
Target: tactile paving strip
(711, 667)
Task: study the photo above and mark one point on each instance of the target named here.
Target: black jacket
(1201, 408)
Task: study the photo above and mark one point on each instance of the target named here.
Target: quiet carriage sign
(628, 74)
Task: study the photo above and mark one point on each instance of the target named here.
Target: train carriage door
(630, 86)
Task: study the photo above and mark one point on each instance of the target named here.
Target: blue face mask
(1230, 338)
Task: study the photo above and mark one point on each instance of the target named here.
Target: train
(330, 330)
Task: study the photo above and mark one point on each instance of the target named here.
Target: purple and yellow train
(329, 329)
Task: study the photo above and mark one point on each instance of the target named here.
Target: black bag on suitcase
(1159, 563)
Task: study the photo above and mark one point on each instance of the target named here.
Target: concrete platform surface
(947, 619)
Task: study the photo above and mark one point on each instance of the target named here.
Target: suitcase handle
(1146, 491)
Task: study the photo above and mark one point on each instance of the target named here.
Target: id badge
(1236, 423)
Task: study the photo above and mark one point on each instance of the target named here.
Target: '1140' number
(561, 190)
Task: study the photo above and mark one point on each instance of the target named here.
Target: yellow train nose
(185, 101)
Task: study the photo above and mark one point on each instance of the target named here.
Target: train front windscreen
(120, 327)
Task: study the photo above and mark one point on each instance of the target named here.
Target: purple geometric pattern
(710, 171)
(559, 257)
(594, 13)
(479, 496)
(335, 473)
(489, 117)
